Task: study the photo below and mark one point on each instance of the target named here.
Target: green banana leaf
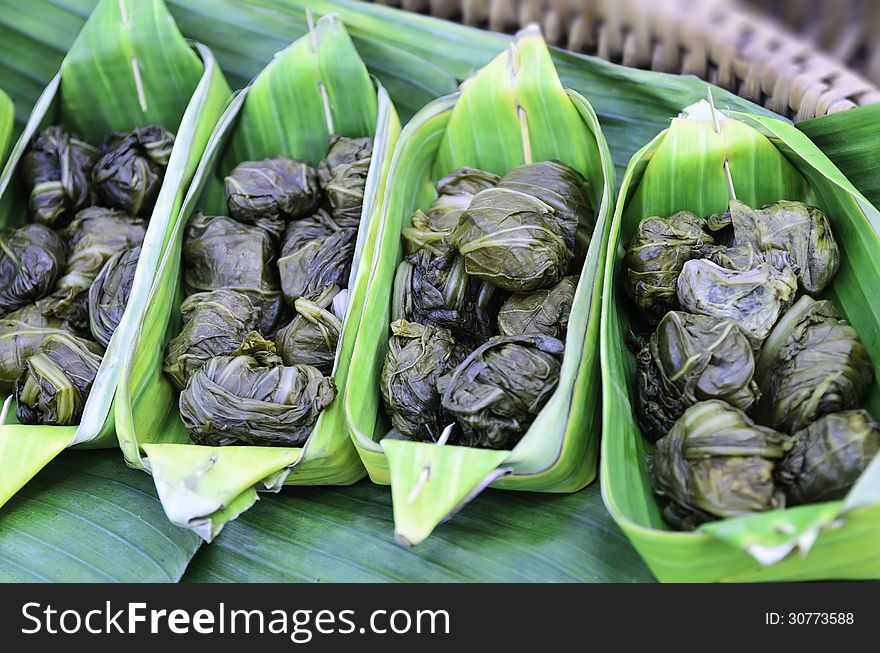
(416, 58)
(683, 168)
(512, 112)
(331, 535)
(282, 112)
(115, 78)
(7, 121)
(849, 139)
(88, 519)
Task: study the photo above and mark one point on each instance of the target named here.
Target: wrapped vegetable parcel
(307, 266)
(465, 182)
(497, 391)
(108, 295)
(220, 252)
(130, 174)
(95, 235)
(312, 335)
(828, 457)
(523, 237)
(542, 312)
(654, 259)
(57, 380)
(431, 230)
(235, 400)
(21, 334)
(31, 258)
(440, 293)
(565, 190)
(423, 235)
(514, 239)
(717, 463)
(754, 299)
(812, 364)
(785, 231)
(214, 324)
(454, 194)
(343, 176)
(271, 192)
(511, 241)
(417, 357)
(57, 171)
(688, 359)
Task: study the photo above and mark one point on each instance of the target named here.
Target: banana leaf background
(86, 511)
(7, 120)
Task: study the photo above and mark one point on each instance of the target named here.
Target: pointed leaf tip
(431, 482)
(202, 488)
(25, 450)
(532, 29)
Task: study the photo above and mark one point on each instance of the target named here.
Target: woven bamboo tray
(716, 40)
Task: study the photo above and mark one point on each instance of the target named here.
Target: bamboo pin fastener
(425, 476)
(322, 89)
(730, 188)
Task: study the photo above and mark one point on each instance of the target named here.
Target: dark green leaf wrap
(454, 193)
(343, 175)
(31, 259)
(691, 358)
(21, 333)
(425, 235)
(313, 334)
(108, 295)
(271, 192)
(431, 230)
(95, 235)
(57, 171)
(241, 400)
(417, 357)
(565, 190)
(56, 380)
(497, 391)
(513, 238)
(812, 364)
(214, 324)
(654, 258)
(785, 231)
(465, 182)
(717, 463)
(129, 175)
(542, 312)
(438, 292)
(68, 306)
(754, 299)
(828, 457)
(220, 252)
(307, 266)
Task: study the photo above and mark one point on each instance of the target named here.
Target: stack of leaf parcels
(267, 294)
(751, 388)
(65, 278)
(481, 304)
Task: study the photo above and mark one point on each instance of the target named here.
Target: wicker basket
(716, 40)
(849, 30)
